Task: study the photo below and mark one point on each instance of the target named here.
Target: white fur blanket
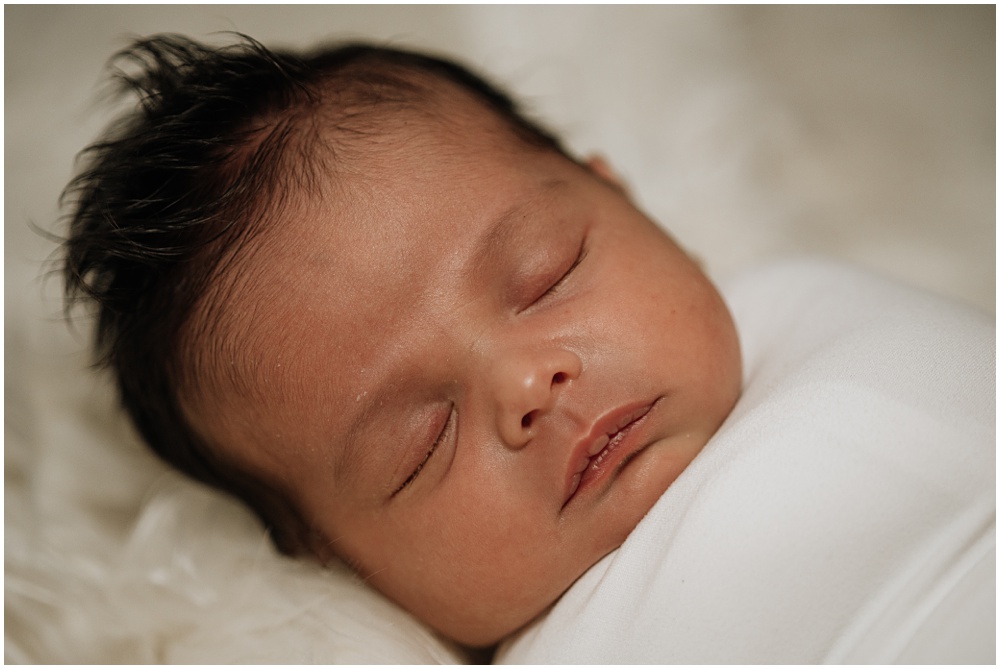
(844, 513)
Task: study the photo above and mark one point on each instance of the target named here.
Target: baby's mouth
(599, 452)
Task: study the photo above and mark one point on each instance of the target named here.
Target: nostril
(558, 378)
(527, 419)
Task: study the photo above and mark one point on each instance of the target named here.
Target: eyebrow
(488, 245)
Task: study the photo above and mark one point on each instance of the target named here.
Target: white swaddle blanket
(845, 512)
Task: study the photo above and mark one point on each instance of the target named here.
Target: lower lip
(626, 442)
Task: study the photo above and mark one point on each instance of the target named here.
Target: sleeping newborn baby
(359, 290)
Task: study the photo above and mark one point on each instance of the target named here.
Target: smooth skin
(417, 354)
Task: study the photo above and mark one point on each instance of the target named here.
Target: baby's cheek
(518, 560)
(725, 360)
(484, 588)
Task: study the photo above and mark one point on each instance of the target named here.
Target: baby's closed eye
(443, 435)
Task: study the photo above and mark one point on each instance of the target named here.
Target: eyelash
(562, 279)
(437, 442)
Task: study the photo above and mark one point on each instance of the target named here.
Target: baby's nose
(528, 385)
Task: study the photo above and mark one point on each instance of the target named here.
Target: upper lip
(599, 435)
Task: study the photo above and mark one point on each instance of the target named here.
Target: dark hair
(181, 181)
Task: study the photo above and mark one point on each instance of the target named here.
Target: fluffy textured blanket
(845, 512)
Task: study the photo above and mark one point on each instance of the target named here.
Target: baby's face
(477, 372)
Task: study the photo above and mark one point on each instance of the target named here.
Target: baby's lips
(575, 483)
(607, 429)
(598, 445)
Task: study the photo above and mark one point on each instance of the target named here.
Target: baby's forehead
(374, 235)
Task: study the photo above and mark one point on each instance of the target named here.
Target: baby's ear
(599, 166)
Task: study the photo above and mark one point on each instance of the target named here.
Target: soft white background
(866, 134)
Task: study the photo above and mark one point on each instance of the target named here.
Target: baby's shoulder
(807, 304)
(808, 321)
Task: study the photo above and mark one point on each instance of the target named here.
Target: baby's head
(359, 291)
